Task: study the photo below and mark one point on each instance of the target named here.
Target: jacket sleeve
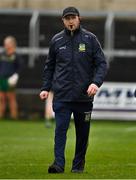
(99, 63)
(49, 68)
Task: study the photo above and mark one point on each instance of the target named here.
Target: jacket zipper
(72, 60)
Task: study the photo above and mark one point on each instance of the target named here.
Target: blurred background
(34, 22)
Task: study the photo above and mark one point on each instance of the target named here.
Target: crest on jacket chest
(82, 47)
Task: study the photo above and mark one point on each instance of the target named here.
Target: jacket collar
(69, 33)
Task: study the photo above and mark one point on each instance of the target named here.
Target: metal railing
(33, 50)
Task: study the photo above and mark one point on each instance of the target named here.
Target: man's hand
(44, 95)
(92, 90)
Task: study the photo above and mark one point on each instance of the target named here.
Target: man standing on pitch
(75, 69)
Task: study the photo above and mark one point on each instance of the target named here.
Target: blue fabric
(62, 117)
(73, 63)
(63, 111)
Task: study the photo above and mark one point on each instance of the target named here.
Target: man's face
(71, 22)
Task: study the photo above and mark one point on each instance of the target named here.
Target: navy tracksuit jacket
(73, 63)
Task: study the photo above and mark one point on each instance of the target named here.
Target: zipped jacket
(75, 60)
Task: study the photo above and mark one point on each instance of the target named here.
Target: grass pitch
(26, 151)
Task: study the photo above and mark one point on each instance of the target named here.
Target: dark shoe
(54, 168)
(78, 168)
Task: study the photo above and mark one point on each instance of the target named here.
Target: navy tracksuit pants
(82, 116)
